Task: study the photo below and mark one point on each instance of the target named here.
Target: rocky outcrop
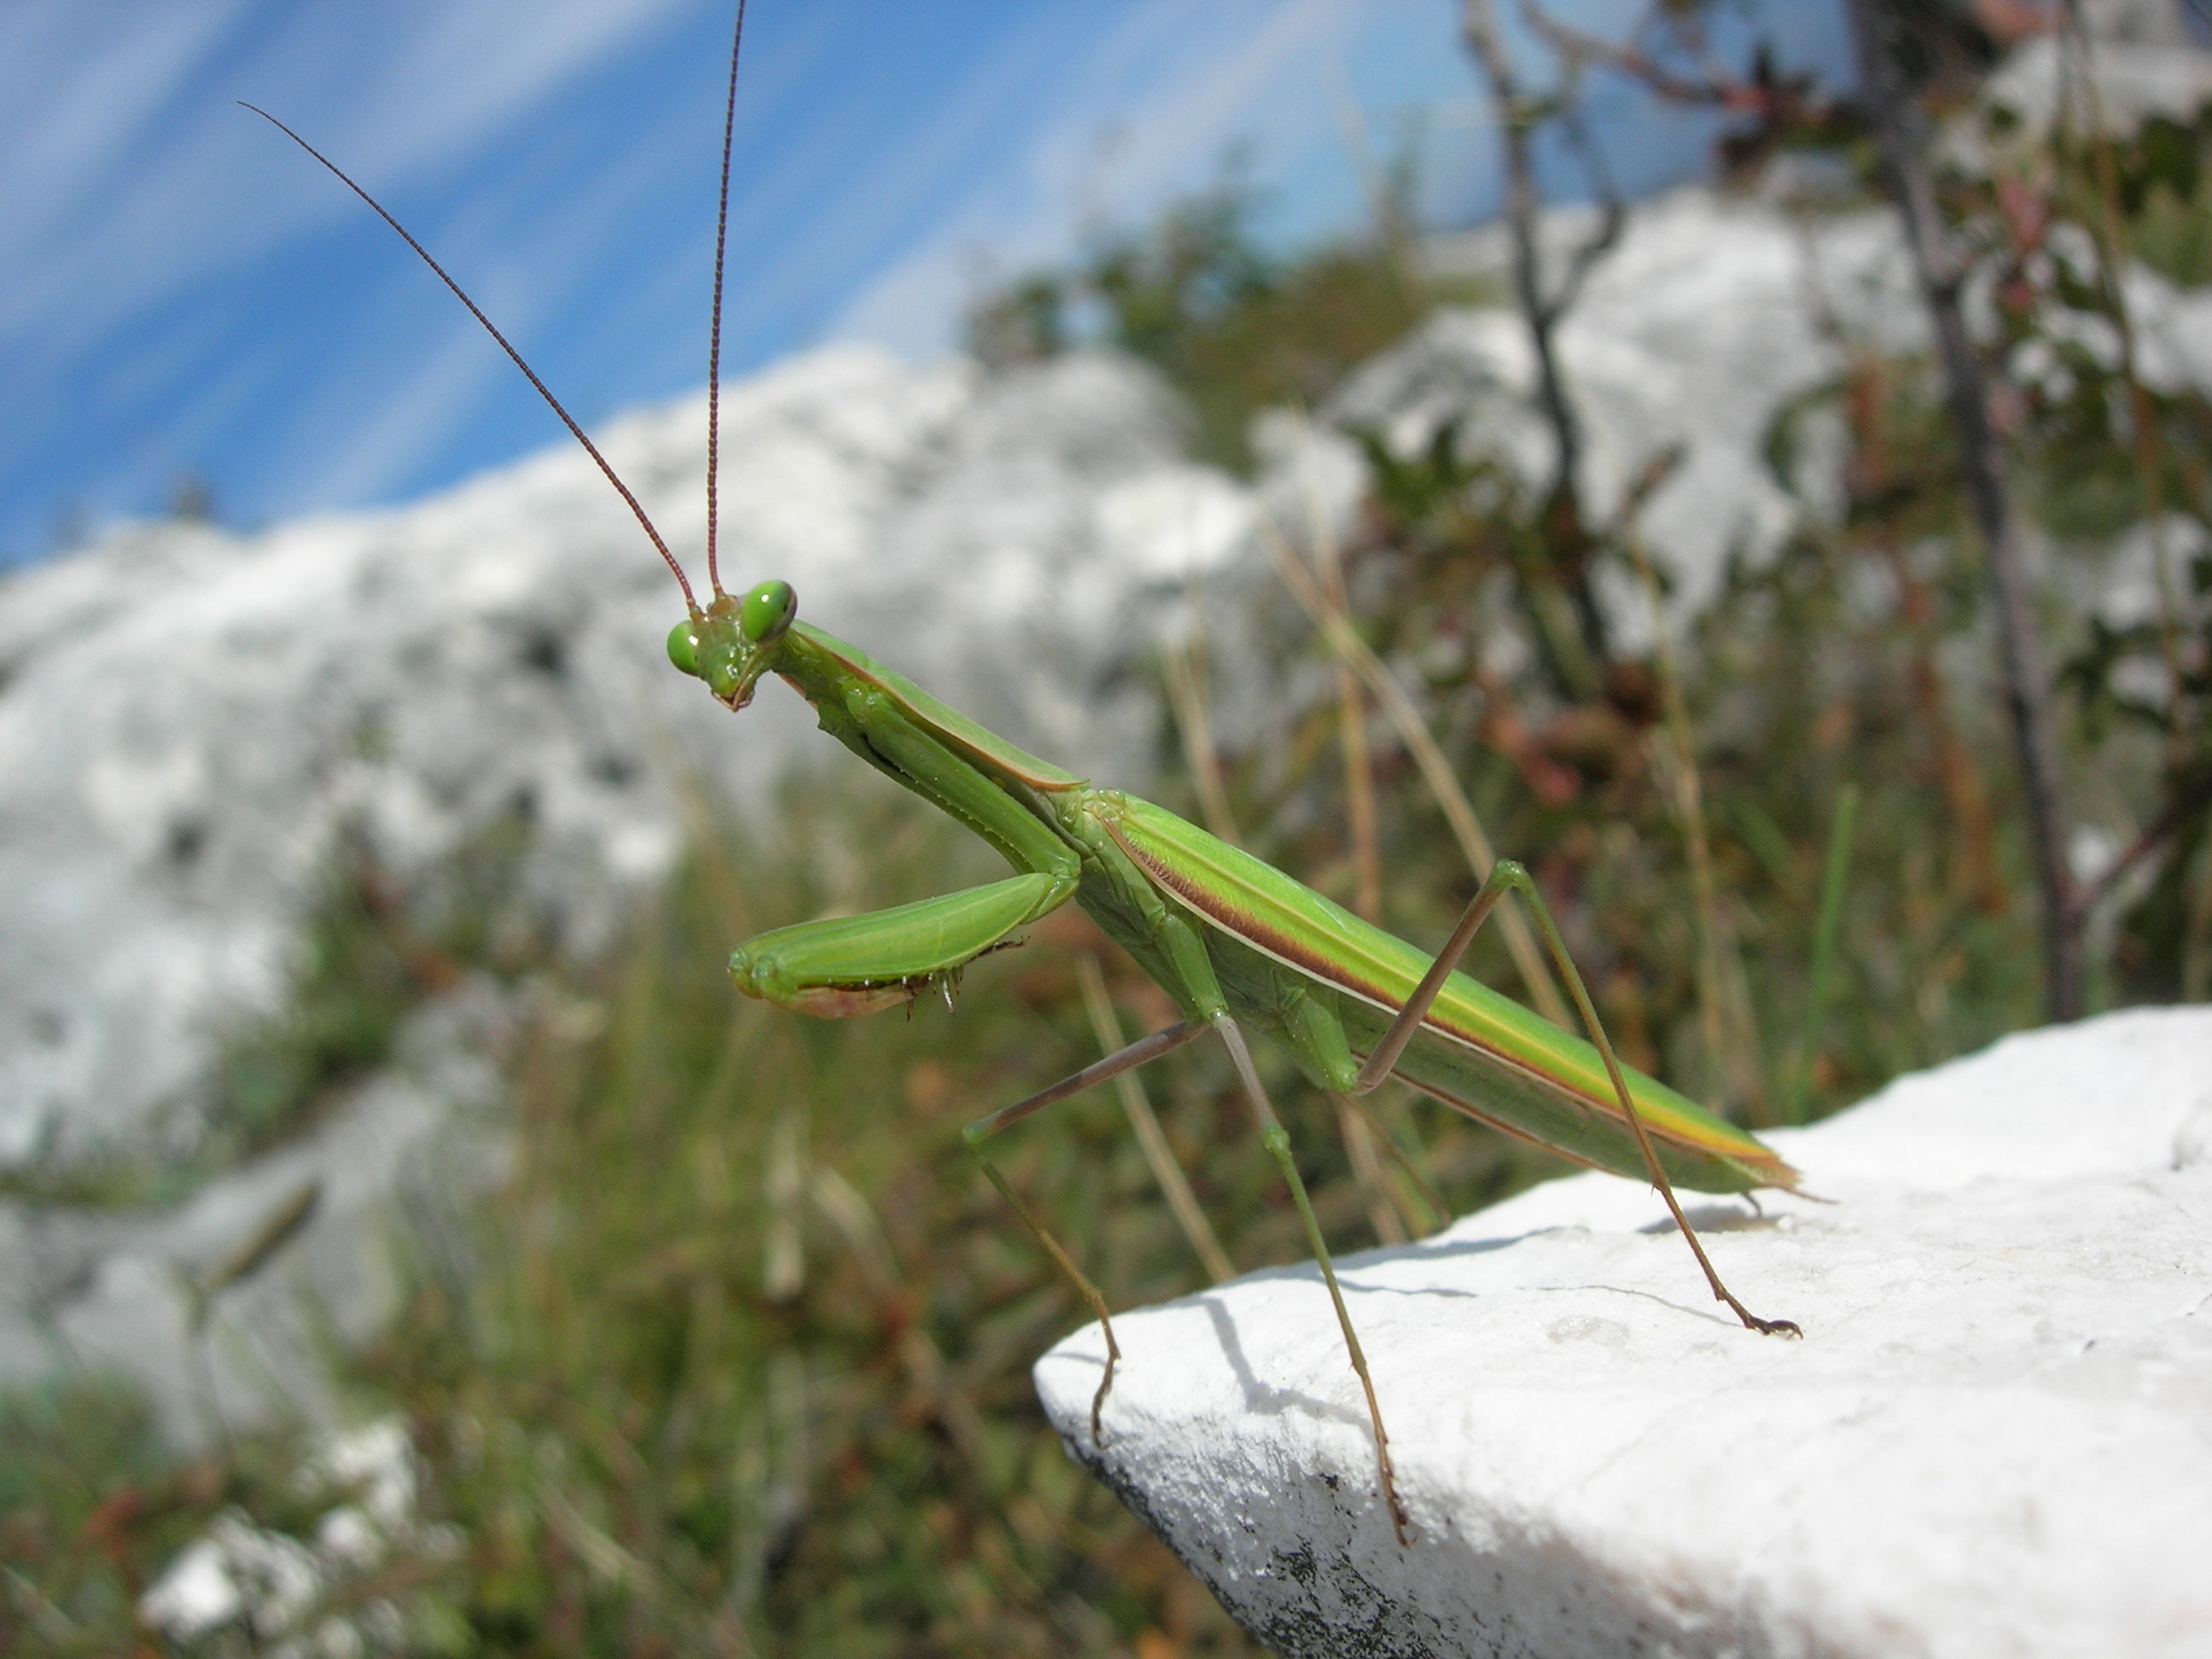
(1994, 1437)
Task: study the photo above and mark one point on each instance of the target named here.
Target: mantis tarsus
(1235, 943)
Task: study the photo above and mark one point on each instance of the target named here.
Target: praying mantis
(1237, 945)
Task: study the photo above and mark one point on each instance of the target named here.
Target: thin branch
(1613, 219)
(1576, 47)
(1517, 116)
(2177, 811)
(1899, 124)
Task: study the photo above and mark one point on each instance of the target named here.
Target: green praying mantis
(1238, 946)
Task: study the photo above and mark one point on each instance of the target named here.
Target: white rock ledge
(1995, 1437)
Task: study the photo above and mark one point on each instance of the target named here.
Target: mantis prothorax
(1237, 944)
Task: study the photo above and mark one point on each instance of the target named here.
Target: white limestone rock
(223, 1308)
(1712, 316)
(1708, 316)
(1995, 1437)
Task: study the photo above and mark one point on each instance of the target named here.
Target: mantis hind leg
(1508, 877)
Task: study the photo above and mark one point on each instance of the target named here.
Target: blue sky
(181, 289)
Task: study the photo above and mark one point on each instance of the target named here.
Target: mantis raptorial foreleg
(846, 965)
(1509, 877)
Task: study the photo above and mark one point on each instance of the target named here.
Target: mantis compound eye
(683, 646)
(768, 610)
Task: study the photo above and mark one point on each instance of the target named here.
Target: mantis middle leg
(1187, 956)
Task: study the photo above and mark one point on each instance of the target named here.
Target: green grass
(740, 1360)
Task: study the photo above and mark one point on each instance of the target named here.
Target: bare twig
(1518, 116)
(2185, 801)
(1899, 124)
(1613, 217)
(1714, 86)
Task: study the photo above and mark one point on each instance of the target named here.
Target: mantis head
(734, 641)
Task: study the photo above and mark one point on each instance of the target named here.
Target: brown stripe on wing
(1249, 928)
(1246, 925)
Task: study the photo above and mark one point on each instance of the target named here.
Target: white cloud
(1153, 113)
(129, 172)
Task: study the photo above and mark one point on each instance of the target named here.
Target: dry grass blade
(1367, 1172)
(1146, 1124)
(1732, 1078)
(1336, 627)
(283, 1223)
(1186, 678)
(1439, 1212)
(1351, 726)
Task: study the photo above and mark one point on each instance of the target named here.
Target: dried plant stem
(1518, 114)
(1359, 783)
(783, 1254)
(1824, 934)
(1185, 676)
(1439, 1212)
(1367, 1170)
(2150, 461)
(1359, 796)
(1974, 874)
(1186, 680)
(1734, 1081)
(2196, 943)
(1174, 1186)
(1366, 900)
(1900, 122)
(1389, 1217)
(1336, 627)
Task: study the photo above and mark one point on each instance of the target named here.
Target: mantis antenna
(507, 346)
(714, 332)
